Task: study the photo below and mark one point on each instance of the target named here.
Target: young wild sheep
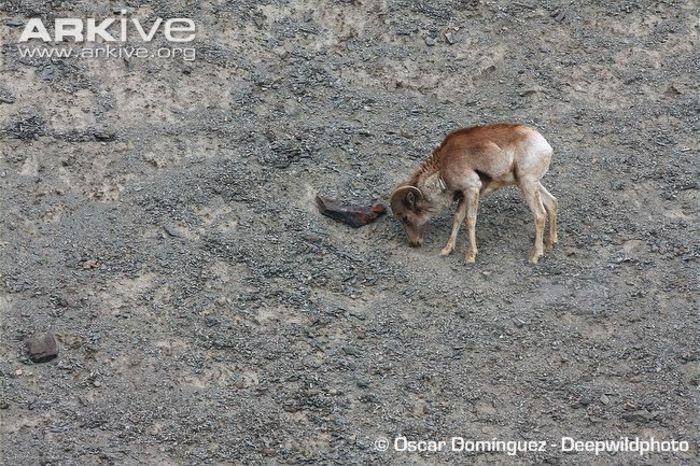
(474, 161)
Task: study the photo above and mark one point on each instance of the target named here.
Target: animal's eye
(404, 220)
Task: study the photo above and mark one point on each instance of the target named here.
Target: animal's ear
(410, 199)
(405, 197)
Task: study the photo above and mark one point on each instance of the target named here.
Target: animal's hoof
(447, 250)
(535, 257)
(470, 258)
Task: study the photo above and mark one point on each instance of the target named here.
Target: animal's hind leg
(459, 218)
(533, 197)
(472, 201)
(552, 205)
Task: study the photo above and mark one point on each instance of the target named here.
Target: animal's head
(411, 208)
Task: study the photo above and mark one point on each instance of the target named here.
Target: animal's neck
(434, 189)
(426, 169)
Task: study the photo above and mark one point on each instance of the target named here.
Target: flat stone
(641, 416)
(104, 135)
(348, 214)
(6, 97)
(14, 22)
(42, 348)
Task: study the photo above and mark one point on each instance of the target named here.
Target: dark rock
(585, 400)
(14, 22)
(641, 416)
(527, 92)
(558, 15)
(6, 97)
(104, 135)
(172, 231)
(351, 215)
(42, 348)
(28, 127)
(671, 91)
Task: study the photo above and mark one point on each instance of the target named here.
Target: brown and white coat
(471, 162)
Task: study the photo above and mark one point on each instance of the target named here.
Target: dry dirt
(158, 216)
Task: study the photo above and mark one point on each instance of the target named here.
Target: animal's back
(499, 153)
(487, 149)
(502, 134)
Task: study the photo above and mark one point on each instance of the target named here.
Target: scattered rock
(604, 399)
(351, 215)
(157, 160)
(14, 22)
(91, 264)
(642, 416)
(487, 69)
(430, 41)
(172, 231)
(67, 300)
(558, 15)
(529, 91)
(123, 9)
(282, 153)
(6, 97)
(28, 127)
(671, 91)
(42, 348)
(104, 135)
(634, 248)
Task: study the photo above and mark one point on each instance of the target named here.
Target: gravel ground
(158, 217)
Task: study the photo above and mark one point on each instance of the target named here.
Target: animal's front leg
(472, 197)
(459, 218)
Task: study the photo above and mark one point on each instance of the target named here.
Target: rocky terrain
(158, 218)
